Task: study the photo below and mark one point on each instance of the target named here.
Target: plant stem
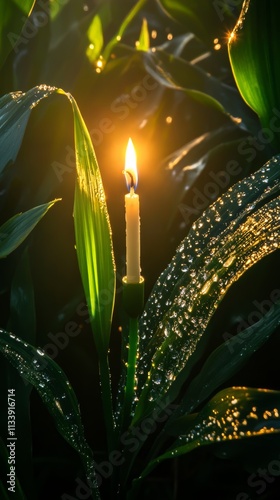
(106, 395)
(131, 368)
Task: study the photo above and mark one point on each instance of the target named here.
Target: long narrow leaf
(178, 74)
(15, 109)
(227, 359)
(55, 390)
(92, 226)
(93, 235)
(231, 236)
(117, 38)
(144, 38)
(255, 60)
(15, 230)
(95, 36)
(233, 414)
(206, 19)
(12, 15)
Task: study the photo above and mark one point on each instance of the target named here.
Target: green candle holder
(133, 297)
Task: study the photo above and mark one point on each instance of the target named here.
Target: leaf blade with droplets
(55, 391)
(226, 360)
(232, 414)
(232, 235)
(93, 235)
(91, 220)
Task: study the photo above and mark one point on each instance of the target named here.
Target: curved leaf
(233, 414)
(15, 230)
(127, 20)
(15, 109)
(54, 389)
(179, 74)
(227, 359)
(201, 17)
(144, 38)
(161, 66)
(231, 236)
(254, 56)
(93, 235)
(92, 225)
(95, 36)
(12, 15)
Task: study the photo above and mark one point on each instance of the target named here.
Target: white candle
(132, 217)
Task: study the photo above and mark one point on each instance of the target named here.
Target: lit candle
(132, 217)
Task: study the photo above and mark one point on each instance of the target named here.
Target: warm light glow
(231, 36)
(217, 45)
(131, 174)
(99, 65)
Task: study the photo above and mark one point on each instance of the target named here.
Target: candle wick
(132, 183)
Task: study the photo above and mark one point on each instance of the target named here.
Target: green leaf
(15, 230)
(189, 161)
(57, 7)
(95, 36)
(24, 5)
(56, 392)
(181, 12)
(12, 18)
(178, 74)
(254, 56)
(93, 235)
(144, 39)
(15, 109)
(91, 220)
(205, 19)
(237, 231)
(221, 365)
(233, 414)
(227, 359)
(124, 25)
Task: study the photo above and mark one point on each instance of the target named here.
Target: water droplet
(230, 261)
(206, 287)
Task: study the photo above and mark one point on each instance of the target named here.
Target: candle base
(133, 297)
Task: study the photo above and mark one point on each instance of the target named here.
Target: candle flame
(130, 171)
